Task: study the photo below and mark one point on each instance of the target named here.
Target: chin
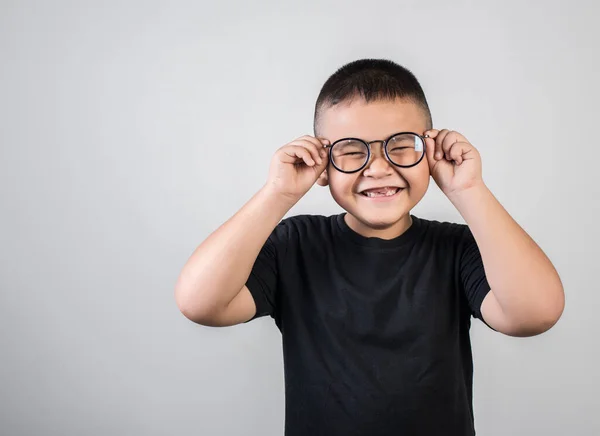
(376, 217)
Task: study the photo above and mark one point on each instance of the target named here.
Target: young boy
(374, 304)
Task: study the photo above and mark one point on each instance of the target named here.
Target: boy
(374, 304)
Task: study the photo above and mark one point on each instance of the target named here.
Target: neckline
(347, 233)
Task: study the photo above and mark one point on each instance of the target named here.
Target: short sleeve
(472, 273)
(263, 279)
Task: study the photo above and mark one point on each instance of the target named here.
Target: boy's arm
(527, 296)
(211, 287)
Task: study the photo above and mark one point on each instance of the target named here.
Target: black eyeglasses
(403, 149)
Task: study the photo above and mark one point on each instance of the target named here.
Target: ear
(323, 179)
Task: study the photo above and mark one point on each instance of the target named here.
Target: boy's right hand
(296, 166)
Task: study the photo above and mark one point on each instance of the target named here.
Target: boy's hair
(372, 80)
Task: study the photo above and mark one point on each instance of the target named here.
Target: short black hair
(373, 80)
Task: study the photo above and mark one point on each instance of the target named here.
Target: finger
(313, 143)
(311, 147)
(324, 143)
(450, 139)
(296, 154)
(432, 133)
(439, 153)
(430, 150)
(456, 152)
(320, 144)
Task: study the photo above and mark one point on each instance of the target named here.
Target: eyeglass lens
(403, 150)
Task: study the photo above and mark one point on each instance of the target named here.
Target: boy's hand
(454, 163)
(296, 166)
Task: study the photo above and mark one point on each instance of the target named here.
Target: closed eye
(402, 148)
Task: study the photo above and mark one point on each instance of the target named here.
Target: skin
(375, 121)
(527, 296)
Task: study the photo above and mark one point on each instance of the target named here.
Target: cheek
(419, 177)
(341, 184)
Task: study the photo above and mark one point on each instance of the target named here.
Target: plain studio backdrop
(131, 130)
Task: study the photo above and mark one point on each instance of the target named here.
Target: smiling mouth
(382, 192)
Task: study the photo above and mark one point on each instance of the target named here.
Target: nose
(378, 164)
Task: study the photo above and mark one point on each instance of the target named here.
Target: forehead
(370, 121)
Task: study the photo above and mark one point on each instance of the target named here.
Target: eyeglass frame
(385, 151)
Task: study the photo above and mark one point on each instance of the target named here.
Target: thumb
(319, 168)
(429, 151)
(324, 155)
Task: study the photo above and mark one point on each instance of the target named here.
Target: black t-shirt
(375, 332)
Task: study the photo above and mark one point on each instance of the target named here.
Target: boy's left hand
(458, 165)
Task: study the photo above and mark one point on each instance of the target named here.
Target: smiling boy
(374, 304)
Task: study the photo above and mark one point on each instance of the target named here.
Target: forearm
(523, 280)
(218, 269)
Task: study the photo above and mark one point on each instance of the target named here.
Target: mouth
(386, 192)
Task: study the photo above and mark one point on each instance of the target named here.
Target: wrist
(472, 193)
(275, 198)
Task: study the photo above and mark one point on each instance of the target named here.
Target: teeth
(388, 193)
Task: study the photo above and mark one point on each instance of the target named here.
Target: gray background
(130, 130)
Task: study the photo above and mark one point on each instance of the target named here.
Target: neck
(383, 231)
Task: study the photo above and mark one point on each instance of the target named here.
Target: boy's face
(375, 217)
